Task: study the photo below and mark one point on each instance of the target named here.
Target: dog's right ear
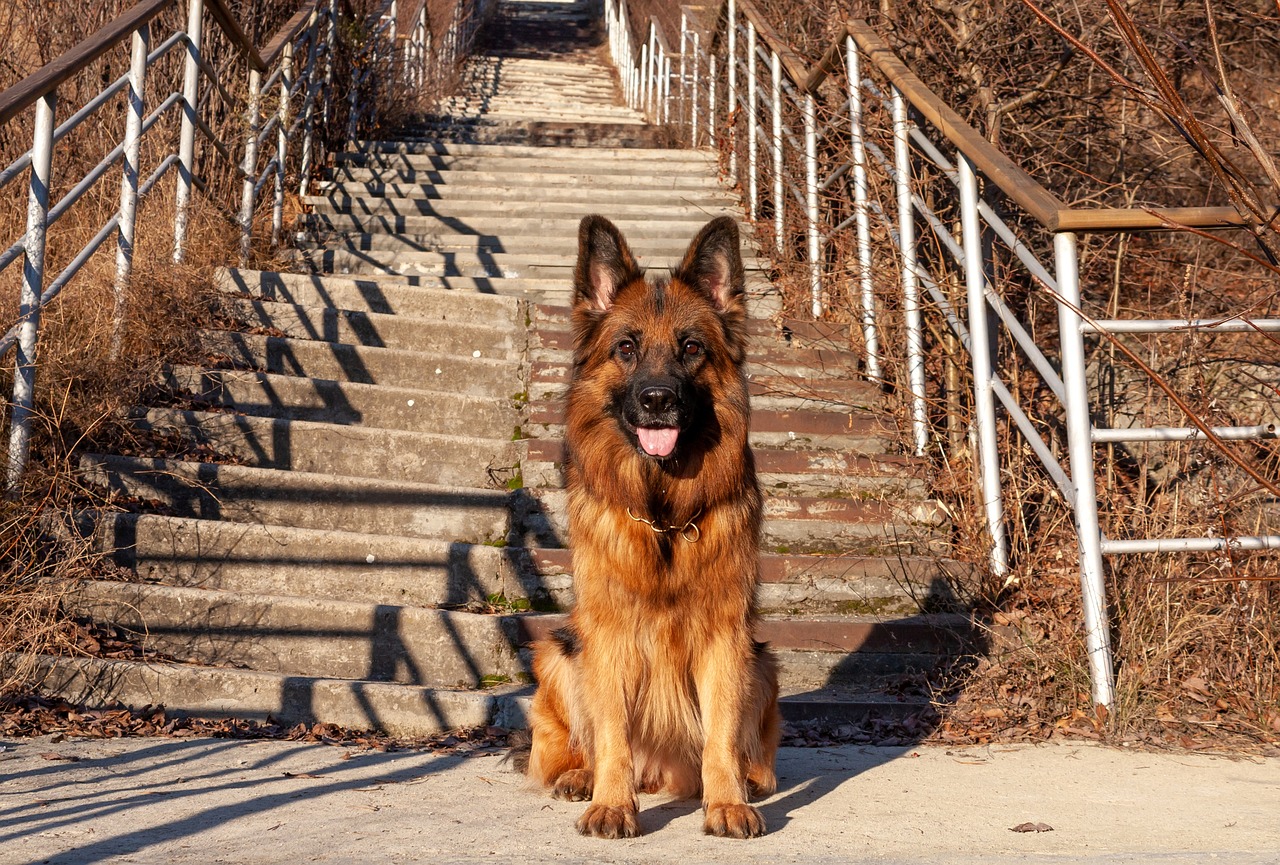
(605, 263)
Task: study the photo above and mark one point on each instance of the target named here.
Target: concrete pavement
(207, 800)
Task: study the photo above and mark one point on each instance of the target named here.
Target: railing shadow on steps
(428, 50)
(907, 164)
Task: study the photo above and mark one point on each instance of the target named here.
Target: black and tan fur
(656, 682)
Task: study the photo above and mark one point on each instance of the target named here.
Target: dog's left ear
(713, 265)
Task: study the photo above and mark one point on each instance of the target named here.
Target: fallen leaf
(66, 758)
(302, 775)
(1031, 827)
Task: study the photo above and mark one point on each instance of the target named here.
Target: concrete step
(423, 646)
(468, 211)
(471, 374)
(340, 402)
(589, 156)
(467, 252)
(246, 494)
(309, 636)
(353, 258)
(445, 459)
(389, 296)
(799, 430)
(336, 565)
(218, 692)
(814, 524)
(402, 710)
(587, 199)
(815, 473)
(539, 133)
(386, 569)
(624, 164)
(376, 330)
(536, 177)
(661, 230)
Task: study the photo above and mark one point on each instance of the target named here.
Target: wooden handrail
(47, 78)
(994, 165)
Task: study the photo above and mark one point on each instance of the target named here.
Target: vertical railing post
(420, 68)
(910, 282)
(644, 79)
(282, 142)
(752, 110)
(861, 208)
(250, 166)
(731, 95)
(666, 89)
(693, 96)
(811, 204)
(187, 137)
(1080, 454)
(331, 48)
(779, 202)
(711, 100)
(980, 351)
(24, 370)
(683, 95)
(129, 180)
(309, 106)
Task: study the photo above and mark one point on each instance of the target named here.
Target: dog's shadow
(805, 775)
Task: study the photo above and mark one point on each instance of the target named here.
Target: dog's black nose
(657, 399)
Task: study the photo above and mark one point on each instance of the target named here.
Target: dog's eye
(692, 348)
(626, 349)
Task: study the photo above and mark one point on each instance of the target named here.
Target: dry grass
(83, 394)
(1196, 637)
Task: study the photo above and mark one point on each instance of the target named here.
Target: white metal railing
(293, 74)
(923, 134)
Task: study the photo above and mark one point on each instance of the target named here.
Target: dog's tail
(520, 743)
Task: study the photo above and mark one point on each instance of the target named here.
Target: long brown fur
(656, 683)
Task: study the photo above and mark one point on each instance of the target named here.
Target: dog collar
(689, 531)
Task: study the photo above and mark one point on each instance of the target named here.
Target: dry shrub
(1195, 636)
(83, 394)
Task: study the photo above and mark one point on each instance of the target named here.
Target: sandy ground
(208, 800)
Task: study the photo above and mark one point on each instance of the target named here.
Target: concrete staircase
(355, 513)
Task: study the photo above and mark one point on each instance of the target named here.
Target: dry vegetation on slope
(1174, 106)
(83, 393)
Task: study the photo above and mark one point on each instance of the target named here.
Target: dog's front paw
(609, 821)
(574, 785)
(734, 821)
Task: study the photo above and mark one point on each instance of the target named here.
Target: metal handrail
(293, 71)
(708, 65)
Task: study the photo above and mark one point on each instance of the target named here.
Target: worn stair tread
(447, 459)
(306, 499)
(475, 307)
(469, 373)
(338, 639)
(288, 699)
(595, 197)
(407, 144)
(373, 329)
(419, 409)
(335, 564)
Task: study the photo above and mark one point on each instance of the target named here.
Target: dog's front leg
(608, 690)
(722, 683)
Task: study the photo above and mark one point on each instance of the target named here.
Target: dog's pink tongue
(658, 442)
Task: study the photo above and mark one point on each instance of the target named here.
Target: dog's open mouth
(658, 441)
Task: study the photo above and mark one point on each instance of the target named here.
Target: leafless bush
(1098, 119)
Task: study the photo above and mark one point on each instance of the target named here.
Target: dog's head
(665, 355)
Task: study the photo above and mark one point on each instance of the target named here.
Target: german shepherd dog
(656, 682)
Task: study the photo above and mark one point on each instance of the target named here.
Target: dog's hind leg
(554, 760)
(763, 727)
